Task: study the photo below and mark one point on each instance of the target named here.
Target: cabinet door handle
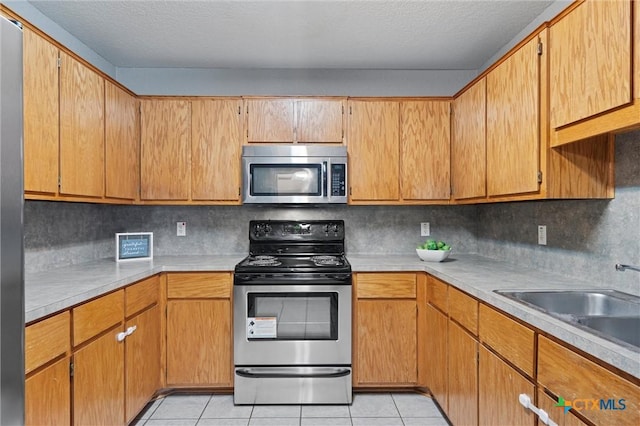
(121, 336)
(525, 401)
(131, 329)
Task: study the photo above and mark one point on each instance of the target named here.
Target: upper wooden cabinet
(122, 147)
(41, 114)
(590, 61)
(593, 72)
(425, 147)
(513, 123)
(468, 143)
(216, 147)
(294, 120)
(165, 149)
(374, 150)
(81, 129)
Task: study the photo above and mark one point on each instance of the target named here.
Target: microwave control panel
(338, 180)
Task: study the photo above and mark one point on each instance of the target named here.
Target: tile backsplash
(585, 238)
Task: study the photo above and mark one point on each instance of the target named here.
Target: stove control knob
(335, 227)
(267, 228)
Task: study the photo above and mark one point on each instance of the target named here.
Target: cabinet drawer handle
(525, 401)
(128, 332)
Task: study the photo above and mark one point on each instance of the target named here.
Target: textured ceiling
(350, 34)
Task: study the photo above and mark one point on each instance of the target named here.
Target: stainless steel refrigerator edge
(11, 239)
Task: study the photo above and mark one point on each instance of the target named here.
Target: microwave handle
(324, 179)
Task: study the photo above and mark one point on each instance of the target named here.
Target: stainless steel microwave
(294, 174)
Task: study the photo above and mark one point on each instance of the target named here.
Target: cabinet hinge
(59, 182)
(239, 110)
(539, 176)
(71, 366)
(59, 62)
(239, 191)
(539, 47)
(350, 111)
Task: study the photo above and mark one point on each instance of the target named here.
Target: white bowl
(433, 255)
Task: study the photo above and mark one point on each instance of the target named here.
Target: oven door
(294, 325)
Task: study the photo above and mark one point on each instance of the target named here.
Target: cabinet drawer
(190, 285)
(464, 310)
(94, 317)
(386, 286)
(580, 381)
(510, 339)
(46, 340)
(437, 293)
(142, 294)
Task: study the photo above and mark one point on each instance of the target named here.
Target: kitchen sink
(610, 314)
(579, 302)
(626, 329)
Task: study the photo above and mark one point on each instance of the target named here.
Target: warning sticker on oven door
(262, 328)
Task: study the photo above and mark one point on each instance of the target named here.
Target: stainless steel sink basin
(626, 329)
(609, 314)
(579, 303)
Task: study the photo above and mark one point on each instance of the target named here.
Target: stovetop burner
(263, 261)
(327, 260)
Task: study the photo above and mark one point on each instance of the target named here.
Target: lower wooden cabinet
(98, 382)
(142, 361)
(48, 396)
(386, 340)
(463, 377)
(436, 359)
(498, 391)
(199, 339)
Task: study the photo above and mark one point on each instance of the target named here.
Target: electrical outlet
(181, 229)
(542, 235)
(424, 229)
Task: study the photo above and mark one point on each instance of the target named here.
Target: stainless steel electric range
(292, 315)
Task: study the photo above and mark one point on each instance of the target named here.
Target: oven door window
(297, 316)
(286, 179)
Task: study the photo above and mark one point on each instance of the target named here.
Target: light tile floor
(368, 409)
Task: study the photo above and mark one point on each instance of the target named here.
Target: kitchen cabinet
(216, 148)
(436, 356)
(81, 129)
(462, 358)
(122, 145)
(468, 143)
(513, 123)
(98, 358)
(294, 120)
(41, 114)
(425, 150)
(142, 345)
(591, 71)
(48, 381)
(386, 355)
(374, 150)
(165, 149)
(585, 382)
(199, 317)
(499, 388)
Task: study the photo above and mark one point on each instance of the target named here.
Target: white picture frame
(132, 246)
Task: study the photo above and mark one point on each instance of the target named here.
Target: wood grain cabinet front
(386, 327)
(199, 316)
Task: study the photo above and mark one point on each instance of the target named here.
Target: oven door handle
(276, 373)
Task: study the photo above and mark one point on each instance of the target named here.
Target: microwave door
(294, 182)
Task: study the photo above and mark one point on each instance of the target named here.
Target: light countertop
(58, 289)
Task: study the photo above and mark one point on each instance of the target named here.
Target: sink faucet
(621, 267)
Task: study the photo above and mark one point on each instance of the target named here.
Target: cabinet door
(436, 355)
(468, 143)
(122, 122)
(269, 120)
(41, 114)
(165, 150)
(142, 362)
(386, 355)
(319, 121)
(425, 150)
(513, 135)
(81, 129)
(499, 388)
(374, 150)
(216, 142)
(205, 325)
(48, 396)
(98, 382)
(463, 377)
(590, 61)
